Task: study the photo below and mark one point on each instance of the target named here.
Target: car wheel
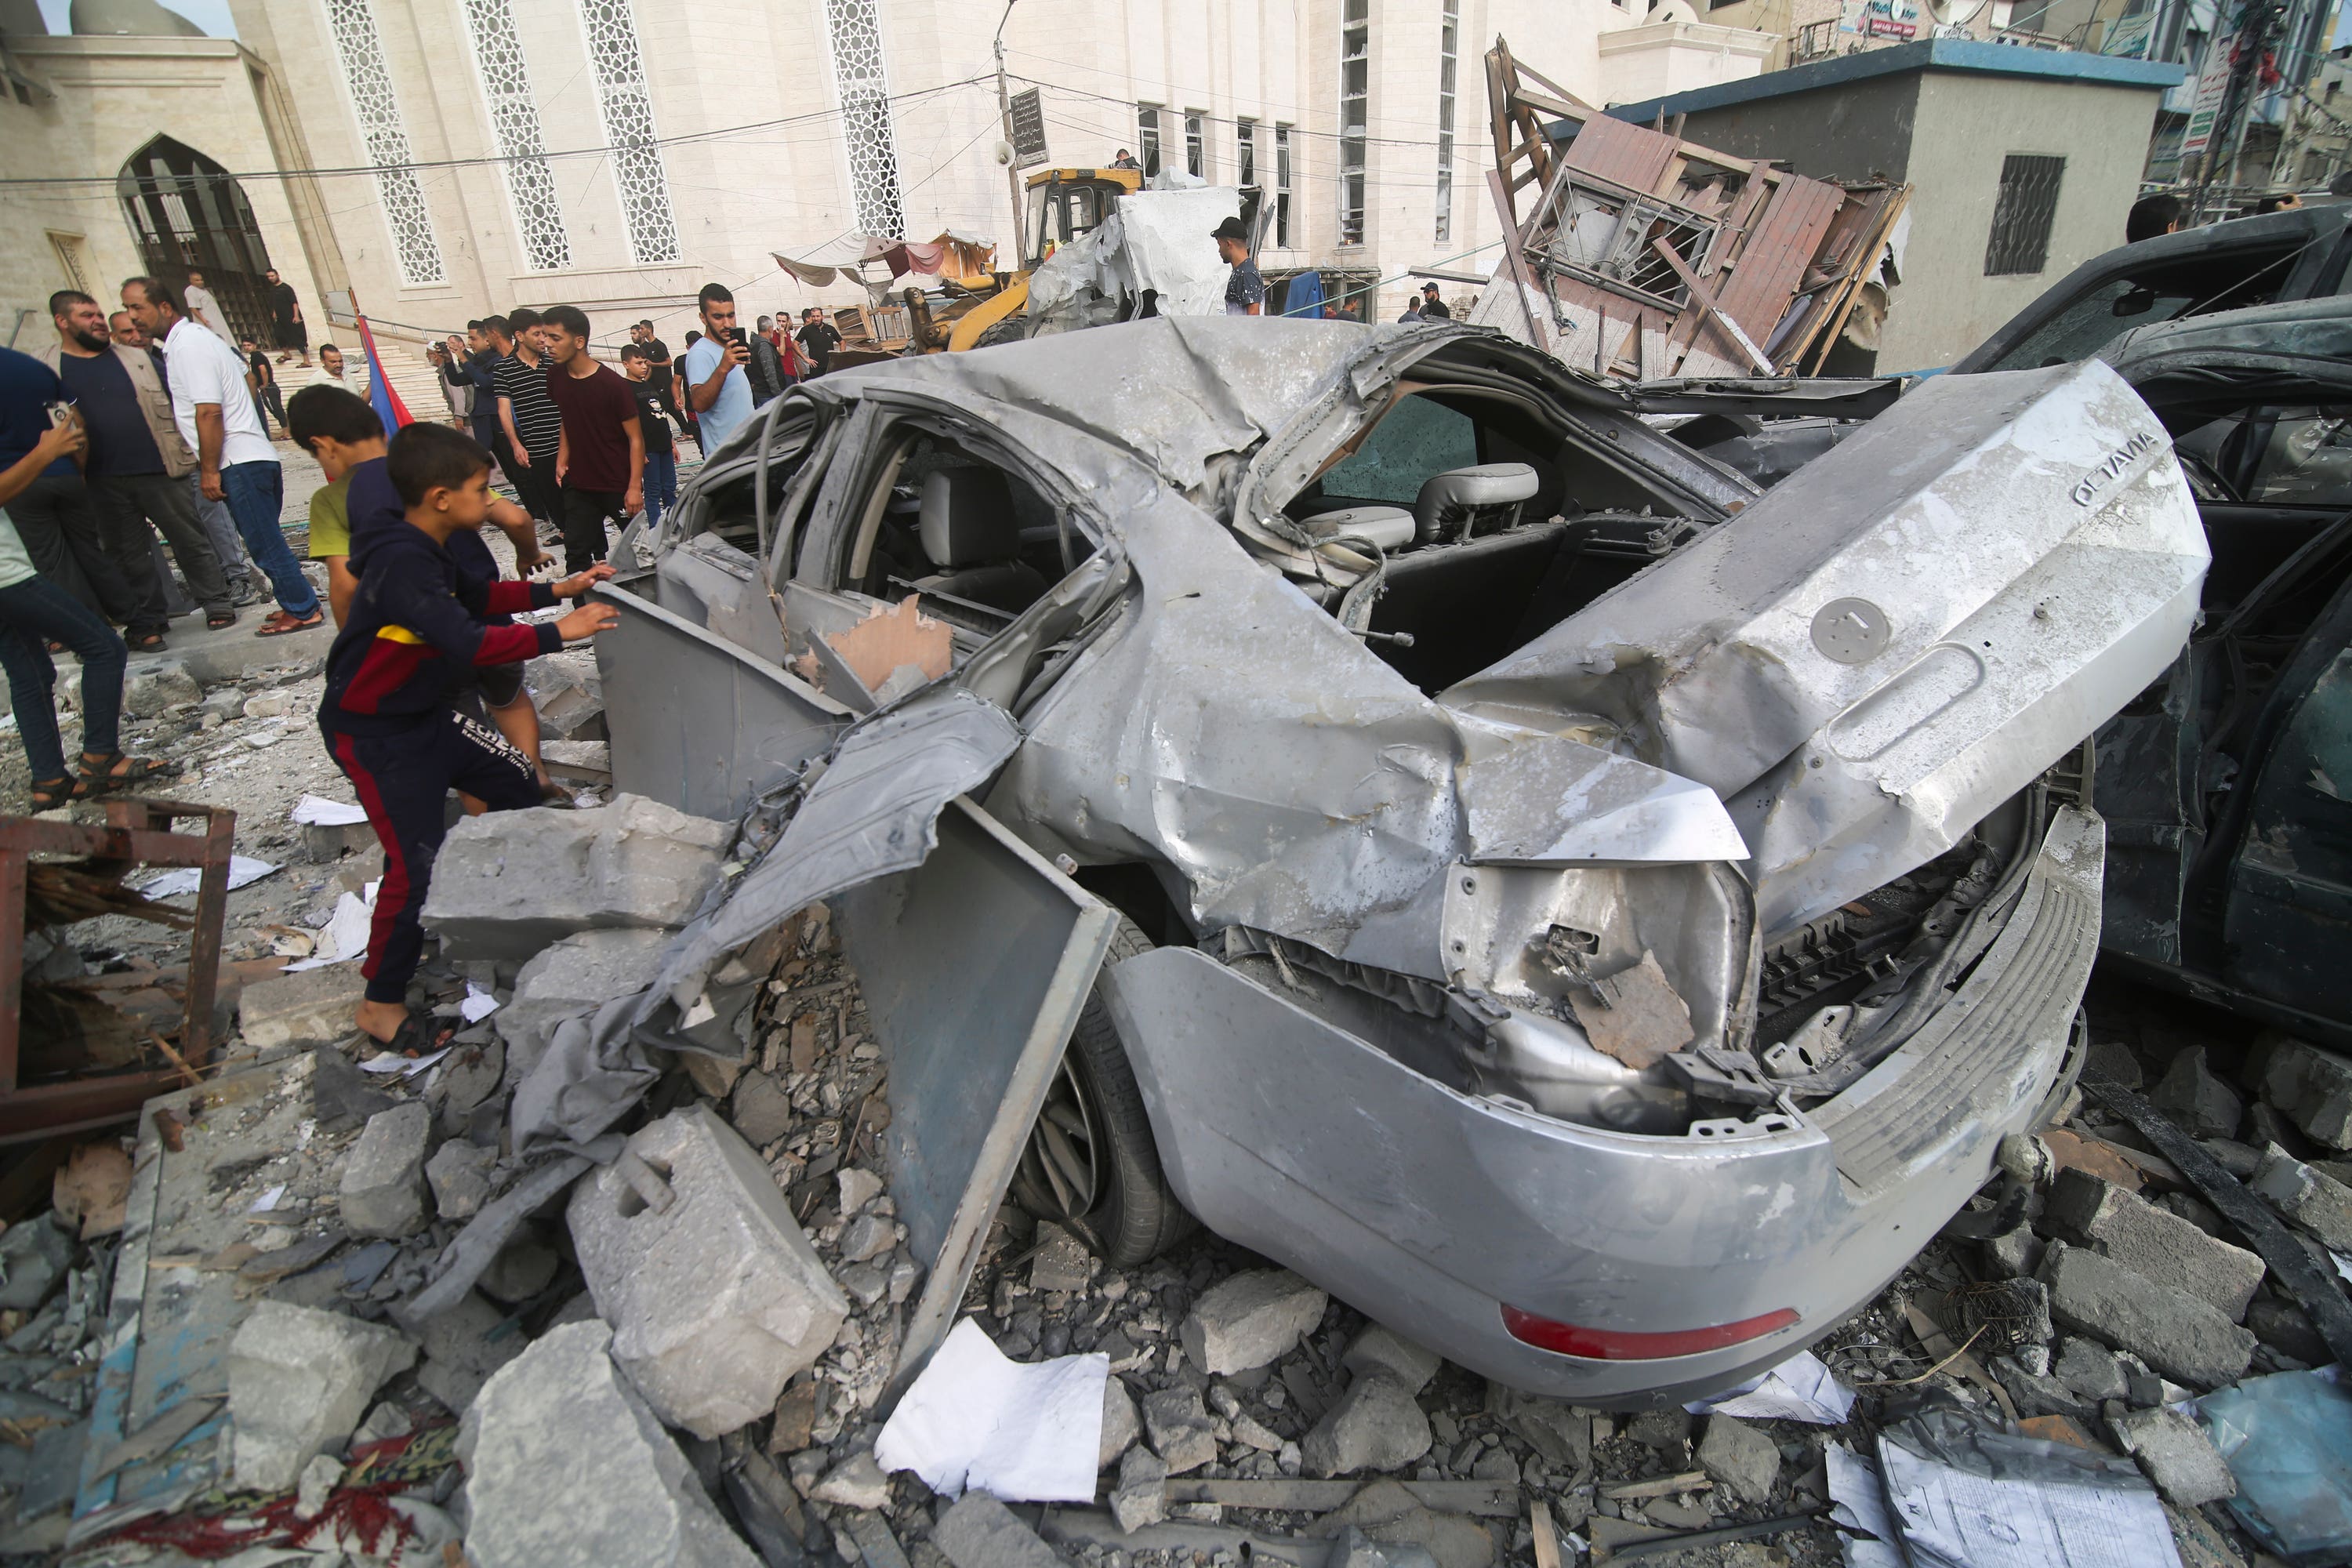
(1091, 1164)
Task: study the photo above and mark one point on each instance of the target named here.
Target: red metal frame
(135, 833)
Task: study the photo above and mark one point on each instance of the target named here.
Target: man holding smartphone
(715, 382)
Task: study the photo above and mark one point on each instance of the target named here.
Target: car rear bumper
(1431, 1210)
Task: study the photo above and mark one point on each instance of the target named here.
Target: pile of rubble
(468, 1303)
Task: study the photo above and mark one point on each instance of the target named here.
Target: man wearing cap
(1432, 309)
(1245, 290)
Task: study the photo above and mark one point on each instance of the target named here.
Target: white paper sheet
(1020, 1433)
(316, 810)
(1858, 1500)
(1798, 1389)
(346, 936)
(268, 1200)
(477, 1005)
(1952, 1518)
(406, 1067)
(185, 879)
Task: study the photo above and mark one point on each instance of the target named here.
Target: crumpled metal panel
(1533, 797)
(874, 811)
(1875, 655)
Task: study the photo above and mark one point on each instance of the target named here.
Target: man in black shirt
(661, 447)
(286, 322)
(530, 428)
(1433, 309)
(662, 378)
(817, 336)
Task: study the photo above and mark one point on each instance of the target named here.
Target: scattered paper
(1020, 1433)
(1995, 1500)
(346, 936)
(477, 1005)
(268, 1200)
(1858, 1501)
(186, 879)
(2343, 1265)
(406, 1067)
(318, 811)
(1799, 1389)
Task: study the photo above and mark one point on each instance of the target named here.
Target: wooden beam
(1522, 274)
(1698, 292)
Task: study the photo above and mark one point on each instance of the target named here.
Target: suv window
(2089, 322)
(1415, 441)
(2281, 455)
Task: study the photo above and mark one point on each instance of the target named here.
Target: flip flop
(281, 623)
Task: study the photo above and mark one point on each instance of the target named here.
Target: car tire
(1091, 1164)
(1012, 330)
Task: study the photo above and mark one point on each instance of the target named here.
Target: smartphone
(60, 414)
(736, 336)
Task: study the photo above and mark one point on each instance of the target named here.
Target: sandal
(146, 642)
(116, 772)
(419, 1034)
(279, 622)
(217, 620)
(47, 794)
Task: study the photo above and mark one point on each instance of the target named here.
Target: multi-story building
(442, 159)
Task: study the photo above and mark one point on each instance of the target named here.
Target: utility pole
(1012, 163)
(2256, 19)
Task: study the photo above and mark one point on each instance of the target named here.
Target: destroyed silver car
(1593, 916)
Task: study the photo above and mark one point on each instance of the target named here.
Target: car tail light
(1624, 1344)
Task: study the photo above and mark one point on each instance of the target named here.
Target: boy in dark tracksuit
(416, 625)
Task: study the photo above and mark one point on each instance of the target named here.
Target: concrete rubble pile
(680, 1340)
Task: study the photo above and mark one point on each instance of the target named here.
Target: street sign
(2127, 37)
(2212, 86)
(1028, 117)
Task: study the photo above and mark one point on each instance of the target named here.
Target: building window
(1355, 91)
(629, 129)
(1449, 27)
(385, 136)
(2023, 214)
(70, 260)
(862, 80)
(1146, 137)
(1282, 187)
(514, 121)
(1196, 144)
(1245, 152)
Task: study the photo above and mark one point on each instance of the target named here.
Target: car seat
(971, 534)
(1451, 502)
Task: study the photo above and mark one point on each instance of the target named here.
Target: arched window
(188, 214)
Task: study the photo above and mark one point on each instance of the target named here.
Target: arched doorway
(189, 213)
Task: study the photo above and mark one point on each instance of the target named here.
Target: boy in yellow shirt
(342, 432)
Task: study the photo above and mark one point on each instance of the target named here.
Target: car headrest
(967, 518)
(1461, 489)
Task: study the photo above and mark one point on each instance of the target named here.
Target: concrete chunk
(2151, 1241)
(2176, 1455)
(310, 1008)
(1375, 1426)
(1121, 1425)
(459, 1173)
(716, 1298)
(980, 1532)
(1251, 1319)
(507, 883)
(461, 1347)
(1742, 1459)
(565, 1464)
(2178, 1334)
(1380, 1349)
(299, 1381)
(1141, 1496)
(384, 1179)
(1177, 1425)
(2312, 1087)
(2321, 1204)
(571, 976)
(2203, 1104)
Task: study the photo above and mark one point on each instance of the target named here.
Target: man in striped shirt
(528, 416)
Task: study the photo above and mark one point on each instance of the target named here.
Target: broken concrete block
(459, 1173)
(856, 1482)
(2287, 1330)
(509, 883)
(1742, 1459)
(299, 1381)
(1062, 1262)
(579, 973)
(565, 1464)
(383, 1178)
(1121, 1425)
(866, 1237)
(1179, 1426)
(1251, 1319)
(1375, 1426)
(317, 1483)
(522, 1269)
(1141, 1496)
(469, 1075)
(980, 1532)
(2091, 1371)
(2176, 1455)
(149, 690)
(2151, 1241)
(760, 1108)
(2203, 1104)
(2321, 1204)
(462, 1346)
(859, 1186)
(716, 1297)
(1381, 1349)
(2312, 1087)
(1559, 1433)
(33, 1256)
(2181, 1335)
(310, 1008)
